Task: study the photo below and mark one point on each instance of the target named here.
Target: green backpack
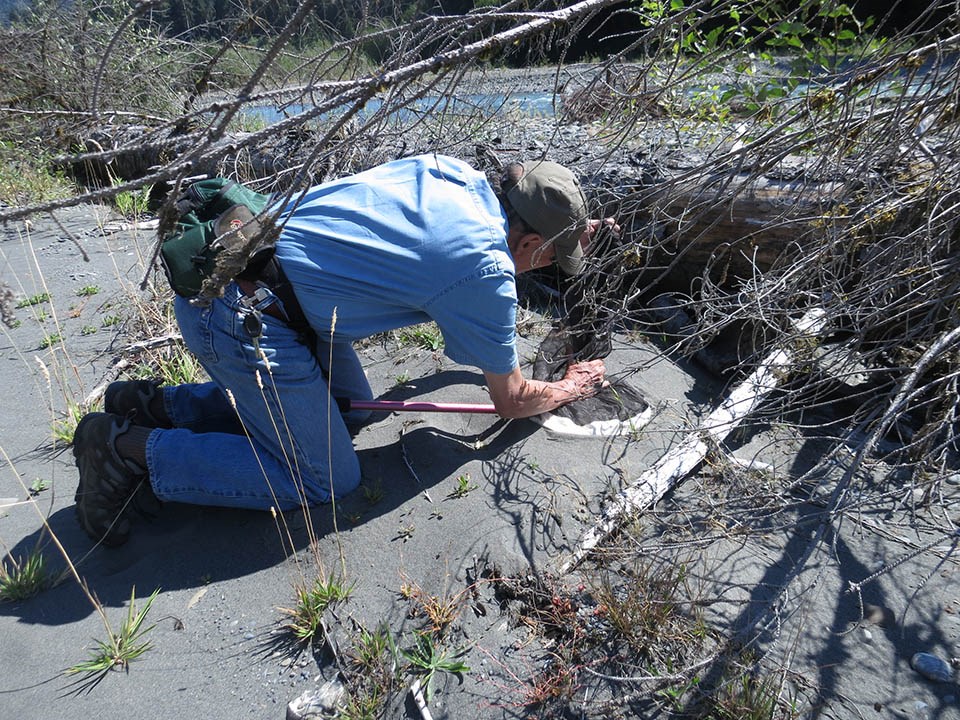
(218, 237)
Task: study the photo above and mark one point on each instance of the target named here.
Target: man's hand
(584, 379)
(593, 226)
(516, 397)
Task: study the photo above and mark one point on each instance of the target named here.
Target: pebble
(878, 615)
(932, 667)
(320, 702)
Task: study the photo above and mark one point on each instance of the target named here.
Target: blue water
(539, 104)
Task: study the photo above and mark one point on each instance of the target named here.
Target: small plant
(672, 696)
(371, 647)
(557, 680)
(440, 611)
(372, 493)
(305, 619)
(179, 368)
(50, 340)
(21, 579)
(363, 706)
(463, 487)
(426, 336)
(405, 532)
(119, 649)
(651, 607)
(372, 674)
(33, 300)
(427, 658)
(64, 427)
(89, 329)
(111, 321)
(88, 290)
(401, 379)
(38, 486)
(746, 697)
(132, 203)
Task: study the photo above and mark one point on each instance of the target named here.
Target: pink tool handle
(409, 406)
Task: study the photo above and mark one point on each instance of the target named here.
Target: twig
(682, 675)
(406, 462)
(417, 691)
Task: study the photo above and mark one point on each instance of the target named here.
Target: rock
(932, 667)
(877, 615)
(322, 702)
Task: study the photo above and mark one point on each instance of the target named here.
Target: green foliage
(38, 486)
(372, 492)
(371, 647)
(64, 426)
(373, 673)
(650, 607)
(774, 49)
(463, 487)
(179, 367)
(119, 649)
(33, 300)
(305, 618)
(746, 695)
(26, 176)
(22, 578)
(426, 658)
(426, 336)
(49, 341)
(132, 204)
(88, 290)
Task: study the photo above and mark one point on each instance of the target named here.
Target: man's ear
(530, 241)
(527, 256)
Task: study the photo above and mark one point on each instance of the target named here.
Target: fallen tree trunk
(738, 226)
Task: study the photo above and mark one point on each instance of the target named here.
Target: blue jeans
(284, 444)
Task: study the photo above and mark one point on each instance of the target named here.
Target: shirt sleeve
(478, 319)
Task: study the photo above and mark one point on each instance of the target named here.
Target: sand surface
(223, 574)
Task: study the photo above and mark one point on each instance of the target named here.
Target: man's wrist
(569, 390)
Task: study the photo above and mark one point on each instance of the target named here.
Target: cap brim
(571, 262)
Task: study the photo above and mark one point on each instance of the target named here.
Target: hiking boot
(132, 399)
(110, 487)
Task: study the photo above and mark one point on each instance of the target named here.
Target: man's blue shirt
(418, 239)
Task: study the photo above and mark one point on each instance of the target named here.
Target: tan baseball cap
(549, 199)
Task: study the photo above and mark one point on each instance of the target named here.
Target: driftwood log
(728, 223)
(682, 459)
(737, 226)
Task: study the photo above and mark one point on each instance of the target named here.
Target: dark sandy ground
(223, 574)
